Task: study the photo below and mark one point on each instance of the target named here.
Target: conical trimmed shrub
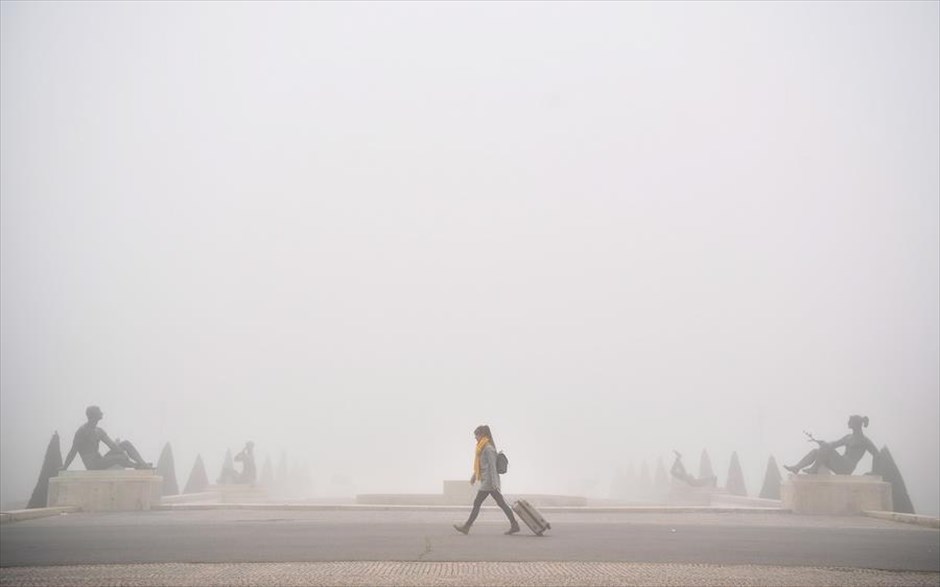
(630, 482)
(735, 484)
(885, 466)
(705, 467)
(50, 468)
(198, 479)
(661, 480)
(267, 473)
(772, 479)
(280, 476)
(300, 484)
(167, 469)
(228, 474)
(646, 480)
(617, 487)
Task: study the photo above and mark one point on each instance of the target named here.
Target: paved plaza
(454, 573)
(419, 547)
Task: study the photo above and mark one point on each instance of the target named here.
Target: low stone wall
(32, 514)
(841, 495)
(681, 495)
(437, 499)
(402, 499)
(724, 499)
(237, 493)
(115, 490)
(925, 521)
(541, 500)
(201, 497)
(459, 492)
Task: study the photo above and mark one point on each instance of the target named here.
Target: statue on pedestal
(856, 445)
(122, 453)
(678, 471)
(247, 458)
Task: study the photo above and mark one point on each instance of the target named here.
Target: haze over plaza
(353, 232)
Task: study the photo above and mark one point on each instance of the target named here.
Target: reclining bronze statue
(678, 471)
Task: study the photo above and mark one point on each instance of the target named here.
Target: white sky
(355, 231)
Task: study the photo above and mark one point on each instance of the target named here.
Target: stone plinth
(112, 490)
(840, 495)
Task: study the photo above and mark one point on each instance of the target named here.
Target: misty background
(351, 232)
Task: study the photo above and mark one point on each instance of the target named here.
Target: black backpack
(502, 463)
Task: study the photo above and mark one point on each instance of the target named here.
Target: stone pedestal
(112, 490)
(840, 495)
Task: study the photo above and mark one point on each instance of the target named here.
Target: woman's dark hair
(863, 420)
(484, 430)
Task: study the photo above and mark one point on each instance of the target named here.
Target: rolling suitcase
(531, 516)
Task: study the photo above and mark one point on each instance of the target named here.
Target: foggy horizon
(352, 232)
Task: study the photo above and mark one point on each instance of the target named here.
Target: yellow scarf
(481, 444)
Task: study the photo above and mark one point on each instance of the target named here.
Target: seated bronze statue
(122, 454)
(247, 458)
(856, 445)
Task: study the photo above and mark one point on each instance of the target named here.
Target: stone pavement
(350, 547)
(388, 573)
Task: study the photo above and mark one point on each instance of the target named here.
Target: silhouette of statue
(122, 453)
(247, 458)
(678, 471)
(856, 445)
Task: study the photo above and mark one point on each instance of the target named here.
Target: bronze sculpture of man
(85, 443)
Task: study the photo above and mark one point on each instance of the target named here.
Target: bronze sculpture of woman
(856, 445)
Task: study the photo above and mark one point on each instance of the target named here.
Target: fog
(352, 232)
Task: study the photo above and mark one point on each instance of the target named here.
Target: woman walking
(484, 471)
